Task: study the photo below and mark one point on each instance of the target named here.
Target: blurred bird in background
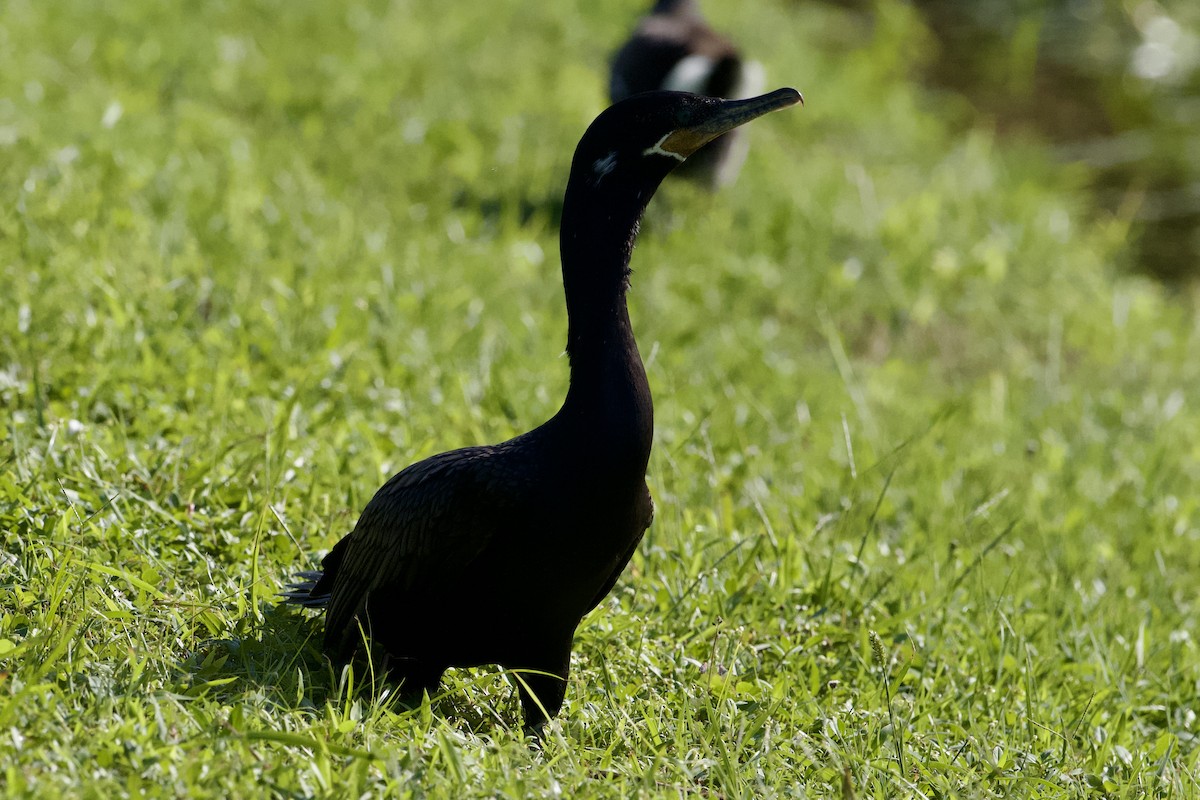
(673, 48)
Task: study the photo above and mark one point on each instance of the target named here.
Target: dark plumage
(492, 555)
(673, 48)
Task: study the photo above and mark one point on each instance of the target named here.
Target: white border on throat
(657, 149)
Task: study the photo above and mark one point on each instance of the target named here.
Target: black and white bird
(493, 554)
(674, 49)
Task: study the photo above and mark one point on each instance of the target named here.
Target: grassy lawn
(925, 465)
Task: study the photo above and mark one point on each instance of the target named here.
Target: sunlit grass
(257, 257)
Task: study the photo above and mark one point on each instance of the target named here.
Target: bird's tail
(301, 593)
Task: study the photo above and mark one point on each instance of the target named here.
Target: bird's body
(506, 548)
(493, 555)
(673, 48)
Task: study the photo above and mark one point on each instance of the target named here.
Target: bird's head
(636, 142)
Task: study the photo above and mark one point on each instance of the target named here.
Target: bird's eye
(603, 166)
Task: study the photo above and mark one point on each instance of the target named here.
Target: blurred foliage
(1114, 85)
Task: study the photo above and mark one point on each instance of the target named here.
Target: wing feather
(429, 519)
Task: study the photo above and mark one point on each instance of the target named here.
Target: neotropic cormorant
(493, 555)
(673, 48)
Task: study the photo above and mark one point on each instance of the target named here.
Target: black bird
(493, 555)
(673, 48)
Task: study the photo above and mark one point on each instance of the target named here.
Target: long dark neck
(596, 246)
(608, 381)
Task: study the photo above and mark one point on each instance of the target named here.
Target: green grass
(925, 463)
